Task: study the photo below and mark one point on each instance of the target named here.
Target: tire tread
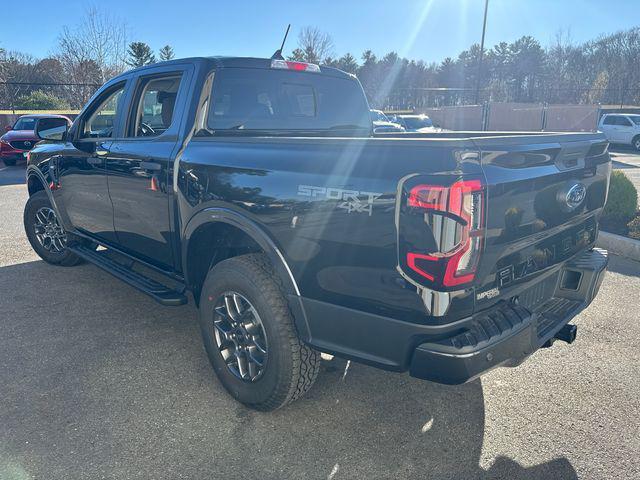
(306, 361)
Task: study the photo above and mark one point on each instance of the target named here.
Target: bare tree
(99, 38)
(313, 46)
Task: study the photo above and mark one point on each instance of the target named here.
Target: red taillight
(296, 66)
(455, 214)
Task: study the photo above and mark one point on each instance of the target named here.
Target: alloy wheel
(240, 336)
(48, 231)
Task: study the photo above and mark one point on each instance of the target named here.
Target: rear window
(248, 100)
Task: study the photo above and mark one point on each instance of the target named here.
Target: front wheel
(44, 232)
(635, 143)
(250, 336)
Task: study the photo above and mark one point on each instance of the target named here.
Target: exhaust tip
(567, 333)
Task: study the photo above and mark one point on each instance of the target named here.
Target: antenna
(278, 54)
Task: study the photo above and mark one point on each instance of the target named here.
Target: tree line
(603, 70)
(86, 56)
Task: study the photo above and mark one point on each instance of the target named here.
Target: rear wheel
(44, 232)
(250, 337)
(9, 162)
(635, 143)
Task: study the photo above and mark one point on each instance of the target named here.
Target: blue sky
(427, 30)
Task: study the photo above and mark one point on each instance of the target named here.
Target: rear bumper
(508, 333)
(453, 353)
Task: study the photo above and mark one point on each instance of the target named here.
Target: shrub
(634, 227)
(39, 100)
(622, 203)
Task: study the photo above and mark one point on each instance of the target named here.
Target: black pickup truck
(258, 187)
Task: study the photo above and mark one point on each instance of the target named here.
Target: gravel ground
(98, 381)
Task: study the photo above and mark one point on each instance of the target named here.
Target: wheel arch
(224, 230)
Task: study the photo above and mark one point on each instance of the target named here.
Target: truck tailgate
(544, 194)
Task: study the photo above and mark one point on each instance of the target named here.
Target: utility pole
(484, 29)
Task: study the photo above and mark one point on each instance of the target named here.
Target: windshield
(25, 123)
(249, 100)
(378, 116)
(418, 122)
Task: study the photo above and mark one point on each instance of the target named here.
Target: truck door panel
(80, 170)
(139, 166)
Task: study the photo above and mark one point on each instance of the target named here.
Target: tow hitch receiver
(567, 333)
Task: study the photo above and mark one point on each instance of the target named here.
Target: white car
(416, 123)
(621, 128)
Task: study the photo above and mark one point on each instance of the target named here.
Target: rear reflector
(297, 66)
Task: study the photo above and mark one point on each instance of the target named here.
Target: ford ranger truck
(257, 188)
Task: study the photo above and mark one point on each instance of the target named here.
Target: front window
(261, 100)
(415, 123)
(25, 123)
(624, 121)
(100, 123)
(378, 116)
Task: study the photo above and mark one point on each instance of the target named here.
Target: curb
(623, 246)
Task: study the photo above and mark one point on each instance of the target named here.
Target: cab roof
(234, 62)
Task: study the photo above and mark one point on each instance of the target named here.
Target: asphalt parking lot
(98, 381)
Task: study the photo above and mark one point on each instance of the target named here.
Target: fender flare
(33, 171)
(251, 228)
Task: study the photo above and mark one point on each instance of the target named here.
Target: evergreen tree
(166, 53)
(140, 54)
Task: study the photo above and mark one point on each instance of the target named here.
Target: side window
(624, 121)
(609, 120)
(100, 122)
(154, 105)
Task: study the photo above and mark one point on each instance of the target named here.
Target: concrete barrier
(623, 246)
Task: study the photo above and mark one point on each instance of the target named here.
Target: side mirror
(8, 128)
(52, 128)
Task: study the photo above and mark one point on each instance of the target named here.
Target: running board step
(160, 293)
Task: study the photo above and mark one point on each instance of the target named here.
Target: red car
(21, 138)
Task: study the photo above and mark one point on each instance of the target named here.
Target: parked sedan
(382, 124)
(623, 128)
(20, 138)
(415, 123)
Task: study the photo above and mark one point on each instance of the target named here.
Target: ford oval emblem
(575, 195)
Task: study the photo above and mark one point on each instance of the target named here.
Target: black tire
(290, 367)
(62, 257)
(9, 162)
(635, 143)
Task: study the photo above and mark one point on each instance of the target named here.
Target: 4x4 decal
(350, 200)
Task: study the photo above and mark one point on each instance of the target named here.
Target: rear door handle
(150, 166)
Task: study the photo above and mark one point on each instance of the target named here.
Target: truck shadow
(98, 380)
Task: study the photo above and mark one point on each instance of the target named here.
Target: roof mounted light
(297, 66)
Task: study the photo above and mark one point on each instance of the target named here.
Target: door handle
(150, 166)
